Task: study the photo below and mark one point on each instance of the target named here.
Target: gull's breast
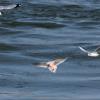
(93, 54)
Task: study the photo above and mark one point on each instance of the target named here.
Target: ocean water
(42, 30)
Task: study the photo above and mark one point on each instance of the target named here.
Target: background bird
(8, 7)
(94, 53)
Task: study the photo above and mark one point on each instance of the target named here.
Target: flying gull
(8, 7)
(51, 65)
(94, 53)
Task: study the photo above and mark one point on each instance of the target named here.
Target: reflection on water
(41, 30)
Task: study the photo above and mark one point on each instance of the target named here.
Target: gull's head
(93, 54)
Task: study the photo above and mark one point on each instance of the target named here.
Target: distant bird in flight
(51, 65)
(94, 53)
(8, 7)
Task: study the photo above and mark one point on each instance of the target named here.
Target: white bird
(94, 53)
(51, 65)
(0, 13)
(8, 7)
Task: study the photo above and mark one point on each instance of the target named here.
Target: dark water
(41, 30)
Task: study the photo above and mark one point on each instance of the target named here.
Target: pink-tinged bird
(51, 65)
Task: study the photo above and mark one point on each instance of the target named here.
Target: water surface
(42, 30)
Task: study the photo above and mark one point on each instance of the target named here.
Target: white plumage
(8, 7)
(94, 53)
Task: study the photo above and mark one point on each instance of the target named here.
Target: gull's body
(8, 7)
(0, 13)
(94, 53)
(51, 65)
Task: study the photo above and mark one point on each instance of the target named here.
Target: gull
(8, 7)
(0, 13)
(94, 53)
(51, 65)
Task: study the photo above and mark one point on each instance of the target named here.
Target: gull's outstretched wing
(97, 49)
(9, 6)
(57, 61)
(83, 50)
(41, 64)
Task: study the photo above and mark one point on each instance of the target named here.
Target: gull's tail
(83, 49)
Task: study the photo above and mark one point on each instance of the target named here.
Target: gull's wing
(9, 6)
(41, 64)
(97, 49)
(83, 50)
(57, 61)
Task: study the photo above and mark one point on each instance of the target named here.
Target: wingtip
(66, 58)
(35, 64)
(18, 5)
(79, 47)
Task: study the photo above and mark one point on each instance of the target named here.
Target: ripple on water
(42, 30)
